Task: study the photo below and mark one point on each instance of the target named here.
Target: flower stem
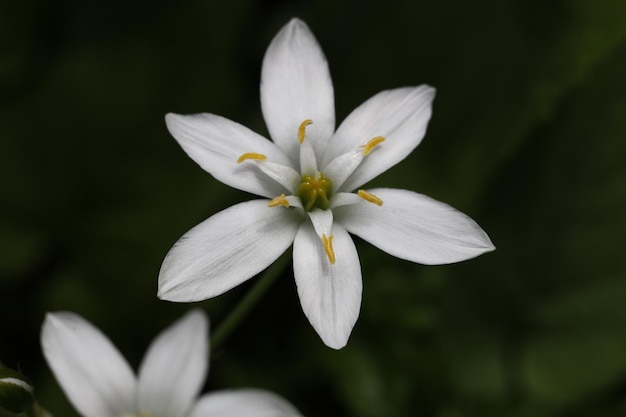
(241, 311)
(35, 411)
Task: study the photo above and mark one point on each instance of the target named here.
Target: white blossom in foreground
(100, 383)
(309, 174)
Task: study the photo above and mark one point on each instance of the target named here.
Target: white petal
(296, 86)
(415, 227)
(340, 168)
(243, 403)
(322, 221)
(344, 199)
(294, 201)
(174, 368)
(94, 376)
(227, 249)
(399, 115)
(330, 294)
(282, 174)
(308, 163)
(216, 143)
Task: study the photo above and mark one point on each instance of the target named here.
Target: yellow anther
(328, 247)
(251, 155)
(281, 200)
(367, 148)
(370, 197)
(302, 129)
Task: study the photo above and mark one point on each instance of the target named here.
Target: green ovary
(314, 191)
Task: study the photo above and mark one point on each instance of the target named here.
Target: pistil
(314, 191)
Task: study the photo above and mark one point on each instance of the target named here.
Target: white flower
(309, 173)
(100, 383)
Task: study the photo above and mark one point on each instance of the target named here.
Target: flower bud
(16, 391)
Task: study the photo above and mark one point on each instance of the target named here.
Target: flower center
(314, 191)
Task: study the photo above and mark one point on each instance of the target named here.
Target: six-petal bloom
(100, 383)
(309, 173)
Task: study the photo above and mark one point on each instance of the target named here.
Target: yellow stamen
(281, 200)
(251, 155)
(302, 129)
(370, 197)
(367, 148)
(328, 247)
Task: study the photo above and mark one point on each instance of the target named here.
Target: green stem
(37, 411)
(241, 311)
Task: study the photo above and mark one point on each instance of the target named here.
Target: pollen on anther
(302, 129)
(367, 148)
(281, 200)
(370, 197)
(251, 155)
(328, 247)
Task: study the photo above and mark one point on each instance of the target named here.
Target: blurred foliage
(16, 391)
(527, 137)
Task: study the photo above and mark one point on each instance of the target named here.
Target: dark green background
(527, 137)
